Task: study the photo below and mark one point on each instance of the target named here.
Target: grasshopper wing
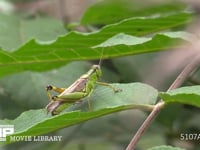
(55, 107)
(77, 86)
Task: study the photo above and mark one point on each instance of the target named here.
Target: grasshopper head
(96, 70)
(95, 67)
(94, 73)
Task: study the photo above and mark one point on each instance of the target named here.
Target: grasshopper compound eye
(95, 67)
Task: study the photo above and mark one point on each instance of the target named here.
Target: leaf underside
(36, 55)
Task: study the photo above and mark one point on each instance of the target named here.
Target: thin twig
(178, 82)
(191, 67)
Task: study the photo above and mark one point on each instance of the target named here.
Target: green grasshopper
(81, 88)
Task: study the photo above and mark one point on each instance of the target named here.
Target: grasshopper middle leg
(109, 85)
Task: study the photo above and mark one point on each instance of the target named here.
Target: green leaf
(84, 46)
(124, 39)
(164, 147)
(106, 12)
(103, 101)
(111, 11)
(15, 31)
(186, 95)
(44, 57)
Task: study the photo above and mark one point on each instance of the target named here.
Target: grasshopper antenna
(101, 58)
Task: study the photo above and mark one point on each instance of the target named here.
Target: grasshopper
(82, 87)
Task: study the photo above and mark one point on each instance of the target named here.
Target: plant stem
(191, 67)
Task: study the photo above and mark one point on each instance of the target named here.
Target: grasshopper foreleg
(55, 89)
